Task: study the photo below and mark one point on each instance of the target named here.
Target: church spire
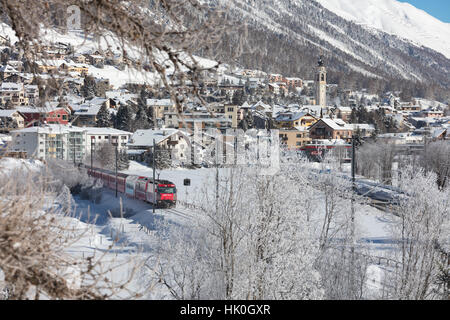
(321, 83)
(320, 62)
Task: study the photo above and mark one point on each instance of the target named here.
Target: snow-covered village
(224, 150)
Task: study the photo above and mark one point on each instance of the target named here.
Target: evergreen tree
(88, 88)
(238, 97)
(123, 162)
(8, 105)
(141, 120)
(104, 117)
(354, 116)
(124, 119)
(163, 159)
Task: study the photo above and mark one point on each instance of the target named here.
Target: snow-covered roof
(50, 62)
(28, 110)
(314, 109)
(145, 137)
(290, 116)
(96, 101)
(8, 68)
(345, 109)
(7, 113)
(159, 102)
(437, 132)
(49, 107)
(90, 110)
(261, 104)
(362, 126)
(31, 87)
(104, 130)
(51, 128)
(245, 105)
(336, 124)
(96, 56)
(11, 86)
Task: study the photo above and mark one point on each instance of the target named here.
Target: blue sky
(437, 8)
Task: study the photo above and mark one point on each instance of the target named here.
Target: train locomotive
(138, 187)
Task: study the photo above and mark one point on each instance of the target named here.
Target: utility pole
(352, 248)
(217, 173)
(154, 183)
(73, 144)
(116, 165)
(92, 151)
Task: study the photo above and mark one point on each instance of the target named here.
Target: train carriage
(130, 185)
(158, 192)
(141, 188)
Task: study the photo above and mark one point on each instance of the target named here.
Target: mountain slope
(287, 36)
(397, 18)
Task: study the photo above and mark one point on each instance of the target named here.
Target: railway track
(179, 212)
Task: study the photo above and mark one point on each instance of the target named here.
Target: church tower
(321, 84)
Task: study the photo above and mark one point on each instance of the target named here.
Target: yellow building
(294, 138)
(72, 67)
(160, 108)
(294, 120)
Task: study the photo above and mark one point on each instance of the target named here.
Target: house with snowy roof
(327, 128)
(49, 114)
(294, 119)
(175, 141)
(86, 115)
(6, 71)
(160, 107)
(14, 93)
(11, 119)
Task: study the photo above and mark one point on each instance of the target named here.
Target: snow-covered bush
(63, 174)
(35, 235)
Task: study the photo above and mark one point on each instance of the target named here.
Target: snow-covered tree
(422, 228)
(124, 118)
(251, 242)
(141, 120)
(104, 117)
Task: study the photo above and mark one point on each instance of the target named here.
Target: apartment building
(64, 142)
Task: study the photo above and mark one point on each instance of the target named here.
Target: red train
(138, 187)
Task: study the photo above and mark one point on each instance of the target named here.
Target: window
(299, 135)
(166, 190)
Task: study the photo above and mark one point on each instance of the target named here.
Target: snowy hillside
(397, 18)
(83, 44)
(401, 41)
